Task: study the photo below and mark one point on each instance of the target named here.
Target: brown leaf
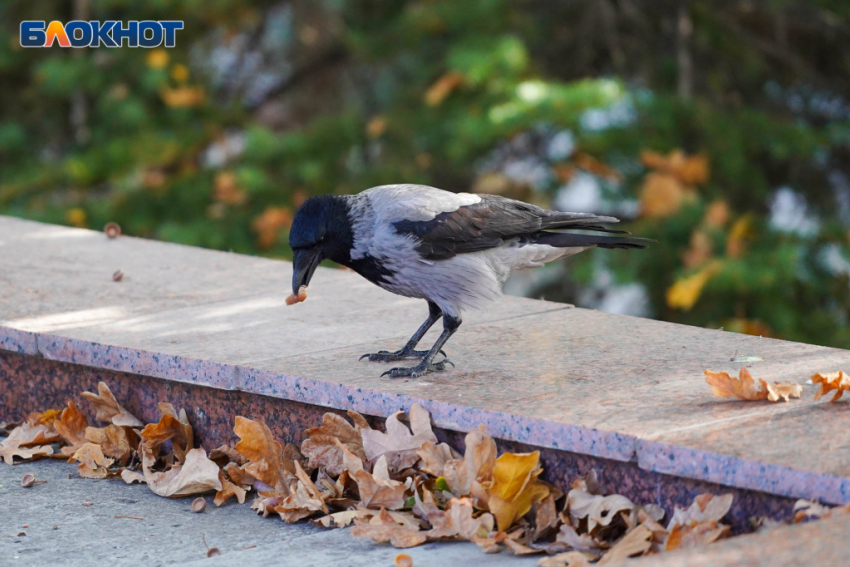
(388, 530)
(45, 418)
(130, 476)
(520, 549)
(705, 508)
(695, 535)
(743, 387)
(321, 449)
(568, 536)
(783, 390)
(344, 518)
(304, 500)
(265, 453)
(636, 542)
(569, 559)
(28, 435)
(228, 490)
(599, 510)
(225, 454)
(108, 409)
(838, 381)
(113, 441)
(71, 425)
(546, 518)
(461, 474)
(399, 444)
(378, 490)
(458, 520)
(172, 427)
(12, 448)
(515, 488)
(93, 463)
(198, 474)
(808, 510)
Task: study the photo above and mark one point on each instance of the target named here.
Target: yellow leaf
(183, 96)
(268, 225)
(662, 195)
(76, 217)
(180, 73)
(690, 170)
(684, 293)
(157, 58)
(515, 488)
(376, 127)
(740, 232)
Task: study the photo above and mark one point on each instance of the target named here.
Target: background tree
(720, 128)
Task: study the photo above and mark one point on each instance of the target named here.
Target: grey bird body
(454, 250)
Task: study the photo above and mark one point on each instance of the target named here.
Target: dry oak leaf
(321, 449)
(378, 490)
(568, 536)
(71, 425)
(695, 535)
(108, 408)
(636, 542)
(458, 520)
(599, 510)
(344, 518)
(399, 444)
(386, 529)
(461, 475)
(9, 449)
(113, 441)
(783, 390)
(568, 559)
(172, 427)
(304, 500)
(228, 489)
(130, 476)
(515, 488)
(705, 508)
(266, 455)
(225, 454)
(545, 518)
(93, 463)
(198, 474)
(742, 387)
(44, 418)
(28, 435)
(838, 381)
(808, 510)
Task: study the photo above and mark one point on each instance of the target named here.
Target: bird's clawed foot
(420, 369)
(387, 356)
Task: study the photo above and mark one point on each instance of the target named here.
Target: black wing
(488, 223)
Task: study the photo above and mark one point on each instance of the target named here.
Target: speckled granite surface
(616, 388)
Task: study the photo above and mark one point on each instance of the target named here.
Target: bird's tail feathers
(570, 240)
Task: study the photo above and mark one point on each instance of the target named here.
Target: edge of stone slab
(650, 455)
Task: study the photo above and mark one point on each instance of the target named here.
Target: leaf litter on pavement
(400, 485)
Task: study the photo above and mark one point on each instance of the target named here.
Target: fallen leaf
(344, 518)
(378, 490)
(743, 387)
(460, 475)
(304, 500)
(198, 474)
(45, 418)
(581, 542)
(321, 448)
(568, 559)
(515, 488)
(71, 425)
(225, 454)
(93, 463)
(807, 510)
(228, 490)
(172, 427)
(783, 390)
(838, 381)
(265, 453)
(599, 510)
(388, 530)
(130, 476)
(113, 440)
(546, 518)
(695, 535)
(28, 435)
(108, 409)
(636, 542)
(10, 449)
(399, 444)
(458, 520)
(705, 508)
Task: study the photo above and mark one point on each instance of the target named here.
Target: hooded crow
(453, 250)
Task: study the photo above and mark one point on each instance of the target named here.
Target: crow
(453, 250)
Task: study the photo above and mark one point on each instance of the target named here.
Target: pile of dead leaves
(400, 485)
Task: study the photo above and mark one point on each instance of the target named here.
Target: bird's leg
(407, 351)
(450, 325)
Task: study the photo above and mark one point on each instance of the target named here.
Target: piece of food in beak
(302, 296)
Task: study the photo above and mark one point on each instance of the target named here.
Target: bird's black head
(320, 230)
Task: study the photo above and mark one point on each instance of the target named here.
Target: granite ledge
(653, 456)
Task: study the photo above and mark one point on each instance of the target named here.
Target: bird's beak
(304, 263)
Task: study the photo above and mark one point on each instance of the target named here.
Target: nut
(403, 560)
(199, 505)
(28, 480)
(118, 276)
(112, 229)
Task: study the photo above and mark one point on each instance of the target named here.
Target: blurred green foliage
(261, 104)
